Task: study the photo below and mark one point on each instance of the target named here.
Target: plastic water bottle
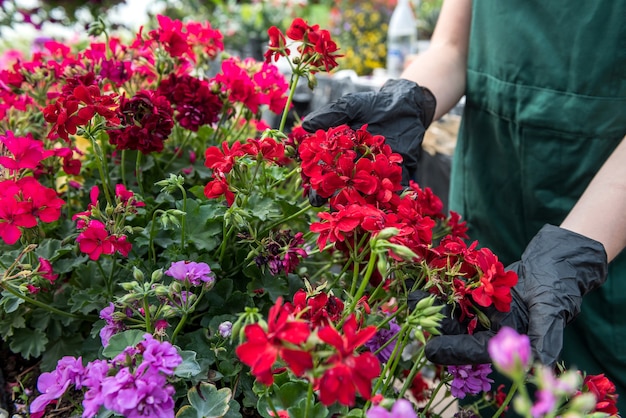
(401, 38)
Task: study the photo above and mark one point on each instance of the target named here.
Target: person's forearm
(442, 67)
(600, 213)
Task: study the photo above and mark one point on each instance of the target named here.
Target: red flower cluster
(147, 121)
(281, 339)
(348, 372)
(221, 162)
(492, 287)
(194, 103)
(100, 235)
(315, 45)
(360, 176)
(344, 372)
(180, 39)
(23, 203)
(252, 85)
(318, 310)
(80, 100)
(604, 391)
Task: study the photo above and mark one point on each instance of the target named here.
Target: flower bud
(225, 329)
(510, 352)
(138, 274)
(583, 403)
(96, 28)
(128, 286)
(156, 275)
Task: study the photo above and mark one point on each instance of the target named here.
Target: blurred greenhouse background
(360, 28)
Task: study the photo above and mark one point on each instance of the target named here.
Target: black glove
(556, 270)
(401, 111)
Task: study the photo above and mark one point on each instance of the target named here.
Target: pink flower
(95, 240)
(402, 408)
(510, 351)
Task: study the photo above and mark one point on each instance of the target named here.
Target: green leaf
(28, 342)
(120, 341)
(189, 366)
(286, 396)
(263, 208)
(318, 410)
(9, 302)
(86, 301)
(68, 346)
(51, 249)
(9, 322)
(207, 402)
(205, 224)
(233, 410)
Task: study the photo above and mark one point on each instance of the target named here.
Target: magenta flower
(401, 409)
(191, 272)
(52, 385)
(510, 351)
(546, 402)
(470, 379)
(95, 373)
(161, 356)
(146, 394)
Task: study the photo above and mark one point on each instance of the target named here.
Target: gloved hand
(401, 111)
(557, 269)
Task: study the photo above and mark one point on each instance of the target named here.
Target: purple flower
(470, 379)
(146, 394)
(510, 351)
(95, 373)
(111, 326)
(225, 329)
(401, 409)
(161, 356)
(52, 385)
(191, 272)
(282, 252)
(382, 336)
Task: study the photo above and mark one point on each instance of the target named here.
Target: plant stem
(179, 327)
(41, 304)
(100, 162)
(138, 174)
(508, 398)
(361, 290)
(183, 222)
(292, 89)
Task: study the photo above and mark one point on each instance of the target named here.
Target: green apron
(545, 106)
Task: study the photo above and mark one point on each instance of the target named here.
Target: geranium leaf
(206, 220)
(189, 367)
(285, 397)
(206, 402)
(317, 411)
(86, 301)
(120, 341)
(28, 342)
(9, 302)
(67, 346)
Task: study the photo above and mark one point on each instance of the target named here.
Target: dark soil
(15, 374)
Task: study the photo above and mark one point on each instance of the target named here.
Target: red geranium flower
(496, 283)
(604, 391)
(263, 348)
(147, 121)
(348, 372)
